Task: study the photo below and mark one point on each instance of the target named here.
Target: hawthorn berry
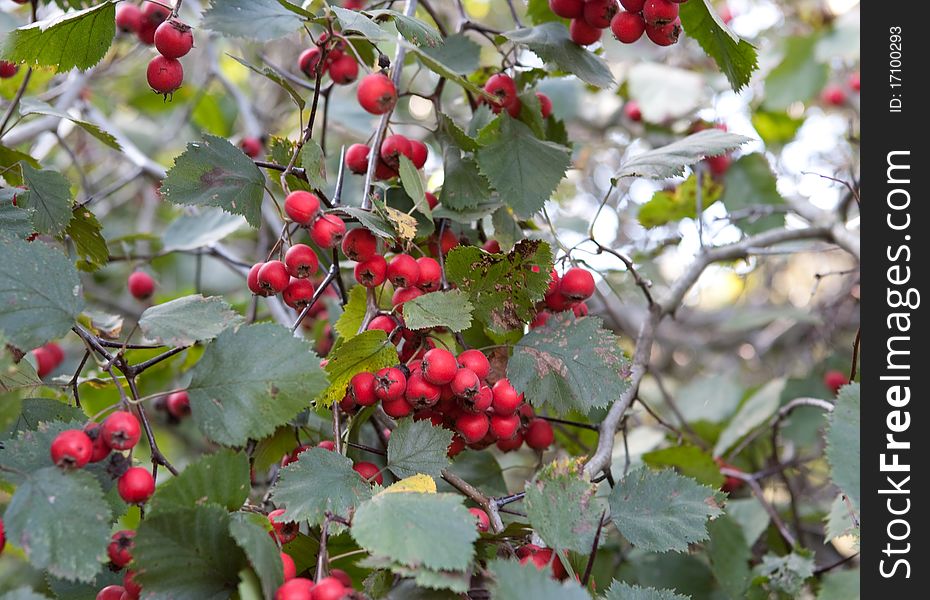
(502, 87)
(309, 62)
(341, 576)
(598, 13)
(390, 384)
(369, 472)
(506, 398)
(397, 408)
(419, 152)
(632, 111)
(120, 547)
(133, 589)
(482, 521)
(402, 295)
(273, 277)
(718, 165)
(577, 284)
(833, 95)
(128, 17)
(659, 12)
(539, 434)
(372, 272)
(47, 359)
(295, 454)
(476, 361)
(567, 9)
(834, 380)
(664, 35)
(541, 318)
(633, 6)
(298, 293)
(359, 244)
(121, 430)
(431, 200)
(152, 16)
(465, 383)
(164, 74)
(385, 323)
(481, 401)
(362, 389)
(284, 531)
(430, 274)
(472, 426)
(344, 69)
(730, 483)
(327, 231)
(8, 69)
(328, 588)
(420, 392)
(512, 444)
(327, 445)
(376, 93)
(252, 280)
(580, 309)
(101, 448)
(556, 302)
(297, 588)
(289, 568)
(545, 107)
(853, 81)
(136, 485)
(403, 271)
(141, 285)
(301, 261)
(447, 242)
(357, 158)
(112, 592)
(504, 427)
(627, 27)
(302, 207)
(71, 449)
(251, 146)
(178, 404)
(382, 171)
(393, 147)
(583, 34)
(439, 366)
(455, 446)
(173, 38)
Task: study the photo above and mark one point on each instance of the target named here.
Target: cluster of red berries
(47, 358)
(339, 64)
(658, 19)
(75, 448)
(153, 24)
(567, 292)
(502, 87)
(120, 550)
(835, 94)
(140, 285)
(388, 163)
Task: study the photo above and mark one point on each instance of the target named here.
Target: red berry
(482, 521)
(327, 445)
(718, 165)
(341, 576)
(476, 361)
(513, 443)
(297, 588)
(431, 200)
(539, 435)
(481, 401)
(633, 6)
(567, 9)
(45, 361)
(545, 107)
(71, 449)
(112, 592)
(664, 35)
(298, 293)
(343, 70)
(309, 62)
(327, 231)
(152, 16)
(502, 87)
(362, 389)
(506, 398)
(577, 284)
(173, 39)
(456, 446)
(598, 13)
(397, 408)
(420, 392)
(101, 448)
(178, 405)
(121, 430)
(448, 241)
(580, 310)
(439, 366)
(403, 271)
(132, 588)
(128, 18)
(329, 588)
(632, 111)
(252, 280)
(376, 93)
(251, 146)
(541, 318)
(285, 531)
(659, 12)
(164, 74)
(853, 81)
(273, 277)
(393, 147)
(357, 158)
(372, 272)
(402, 295)
(383, 171)
(582, 33)
(627, 27)
(369, 472)
(833, 95)
(359, 244)
(834, 380)
(120, 548)
(8, 69)
(419, 152)
(289, 568)
(472, 426)
(504, 427)
(302, 207)
(295, 454)
(141, 285)
(301, 261)
(430, 274)
(390, 384)
(465, 383)
(385, 323)
(136, 485)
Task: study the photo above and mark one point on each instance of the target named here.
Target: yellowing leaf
(423, 484)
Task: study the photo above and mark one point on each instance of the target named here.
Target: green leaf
(216, 173)
(458, 52)
(34, 106)
(23, 593)
(61, 521)
(451, 130)
(353, 20)
(15, 375)
(751, 515)
(450, 309)
(839, 520)
(681, 203)
(431, 62)
(463, 185)
(372, 221)
(561, 506)
(840, 585)
(658, 511)
(624, 591)
(314, 164)
(786, 574)
(538, 11)
(798, 77)
(522, 168)
(569, 364)
(755, 411)
(413, 529)
(249, 531)
(184, 321)
(551, 42)
(40, 293)
(49, 196)
(413, 185)
(735, 57)
(320, 481)
(688, 460)
(457, 581)
(262, 20)
(35, 411)
(418, 447)
(187, 554)
(502, 287)
(15, 221)
(468, 215)
(729, 556)
(775, 127)
(86, 232)
(749, 182)
(367, 351)
(28, 452)
(74, 39)
(843, 442)
(513, 581)
(671, 160)
(353, 313)
(413, 29)
(221, 479)
(251, 380)
(272, 75)
(207, 227)
(507, 230)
